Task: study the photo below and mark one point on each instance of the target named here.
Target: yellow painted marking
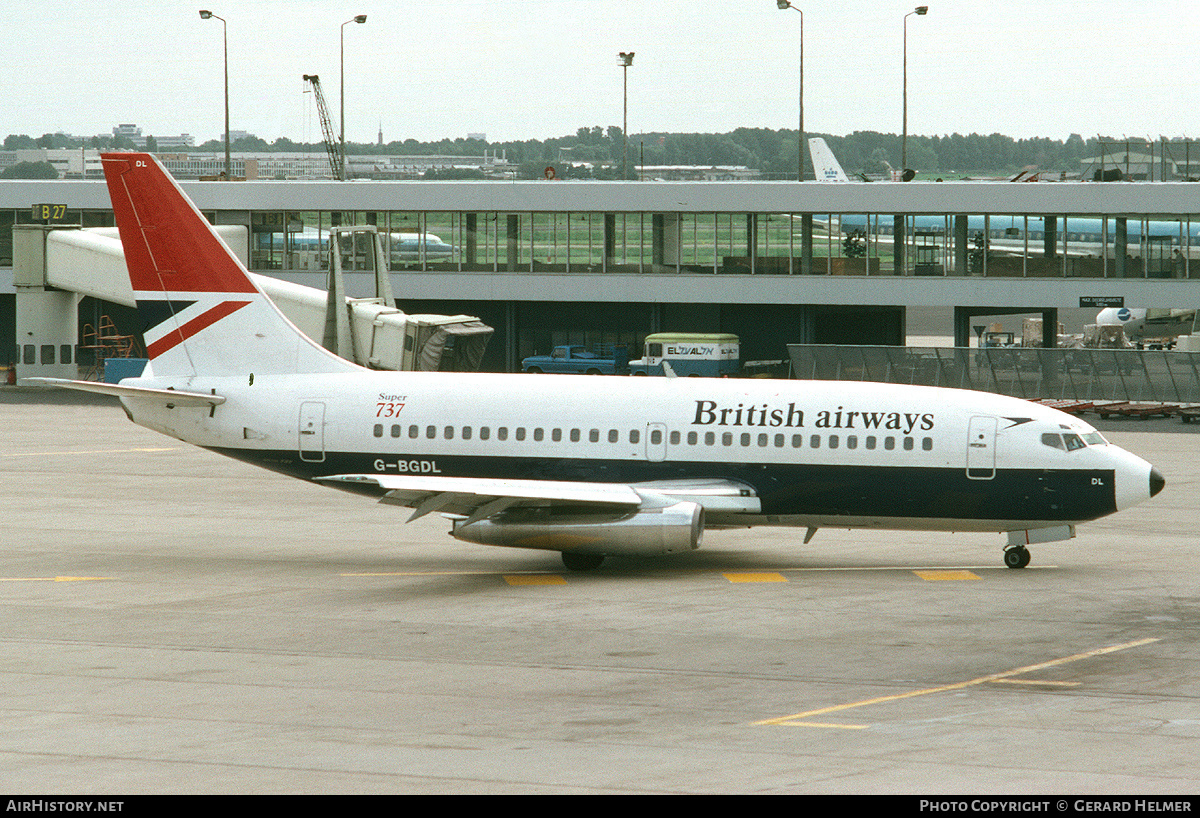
(938, 576)
(535, 579)
(52, 579)
(956, 686)
(766, 576)
(91, 451)
(830, 725)
(1044, 683)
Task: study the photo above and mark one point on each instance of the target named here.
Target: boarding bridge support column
(961, 240)
(610, 241)
(471, 250)
(665, 237)
(1050, 237)
(899, 240)
(806, 243)
(47, 319)
(1121, 246)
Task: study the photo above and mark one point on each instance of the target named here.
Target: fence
(1062, 374)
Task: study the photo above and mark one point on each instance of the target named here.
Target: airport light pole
(626, 60)
(205, 14)
(784, 5)
(920, 11)
(358, 18)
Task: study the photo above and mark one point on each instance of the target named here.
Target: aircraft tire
(581, 562)
(1016, 557)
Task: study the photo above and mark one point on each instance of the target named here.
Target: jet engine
(644, 532)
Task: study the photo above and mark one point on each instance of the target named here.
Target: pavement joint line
(991, 677)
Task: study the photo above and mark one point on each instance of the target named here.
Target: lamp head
(362, 18)
(205, 14)
(626, 58)
(922, 10)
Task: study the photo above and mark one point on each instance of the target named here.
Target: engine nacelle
(645, 532)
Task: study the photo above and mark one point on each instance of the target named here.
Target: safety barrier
(1034, 374)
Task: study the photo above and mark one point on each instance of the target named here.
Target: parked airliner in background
(586, 466)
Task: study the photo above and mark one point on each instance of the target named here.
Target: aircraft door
(981, 448)
(312, 431)
(656, 442)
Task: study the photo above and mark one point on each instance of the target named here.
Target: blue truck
(578, 360)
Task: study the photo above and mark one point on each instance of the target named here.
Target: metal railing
(1057, 374)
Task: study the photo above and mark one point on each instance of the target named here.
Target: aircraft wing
(477, 498)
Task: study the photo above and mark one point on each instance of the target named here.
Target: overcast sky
(520, 69)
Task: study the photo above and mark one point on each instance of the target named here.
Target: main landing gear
(1016, 556)
(581, 562)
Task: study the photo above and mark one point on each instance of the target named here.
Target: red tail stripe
(206, 319)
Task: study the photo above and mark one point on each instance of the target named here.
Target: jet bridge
(54, 266)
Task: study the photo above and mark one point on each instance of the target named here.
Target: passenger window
(594, 436)
(538, 434)
(797, 441)
(674, 438)
(870, 441)
(745, 438)
(449, 433)
(779, 441)
(502, 433)
(833, 441)
(656, 437)
(908, 444)
(431, 432)
(727, 439)
(613, 436)
(484, 432)
(556, 435)
(574, 435)
(889, 443)
(466, 433)
(378, 430)
(692, 438)
(710, 438)
(634, 436)
(414, 431)
(814, 442)
(395, 430)
(520, 433)
(852, 442)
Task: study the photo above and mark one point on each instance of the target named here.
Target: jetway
(53, 267)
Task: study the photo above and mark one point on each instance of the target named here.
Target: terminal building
(776, 263)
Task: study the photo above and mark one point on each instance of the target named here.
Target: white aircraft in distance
(1148, 323)
(586, 466)
(826, 167)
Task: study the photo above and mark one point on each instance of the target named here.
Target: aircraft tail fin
(202, 313)
(825, 164)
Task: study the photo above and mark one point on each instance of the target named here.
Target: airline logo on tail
(202, 313)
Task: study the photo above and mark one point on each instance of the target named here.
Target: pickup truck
(577, 360)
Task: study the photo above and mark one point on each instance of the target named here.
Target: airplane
(1140, 324)
(589, 467)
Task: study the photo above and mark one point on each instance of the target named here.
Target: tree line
(598, 152)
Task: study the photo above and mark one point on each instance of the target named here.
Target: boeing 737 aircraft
(586, 466)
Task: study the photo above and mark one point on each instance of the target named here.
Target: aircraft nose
(1157, 481)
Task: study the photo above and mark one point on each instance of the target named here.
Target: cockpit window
(1053, 441)
(1095, 439)
(1073, 442)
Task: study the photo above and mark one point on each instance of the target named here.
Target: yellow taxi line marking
(992, 677)
(765, 576)
(829, 725)
(945, 574)
(1042, 682)
(92, 451)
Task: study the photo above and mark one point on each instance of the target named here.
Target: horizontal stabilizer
(169, 396)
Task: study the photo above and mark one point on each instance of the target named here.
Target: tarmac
(177, 622)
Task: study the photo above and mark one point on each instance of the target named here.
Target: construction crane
(335, 156)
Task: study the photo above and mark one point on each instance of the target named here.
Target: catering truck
(693, 355)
